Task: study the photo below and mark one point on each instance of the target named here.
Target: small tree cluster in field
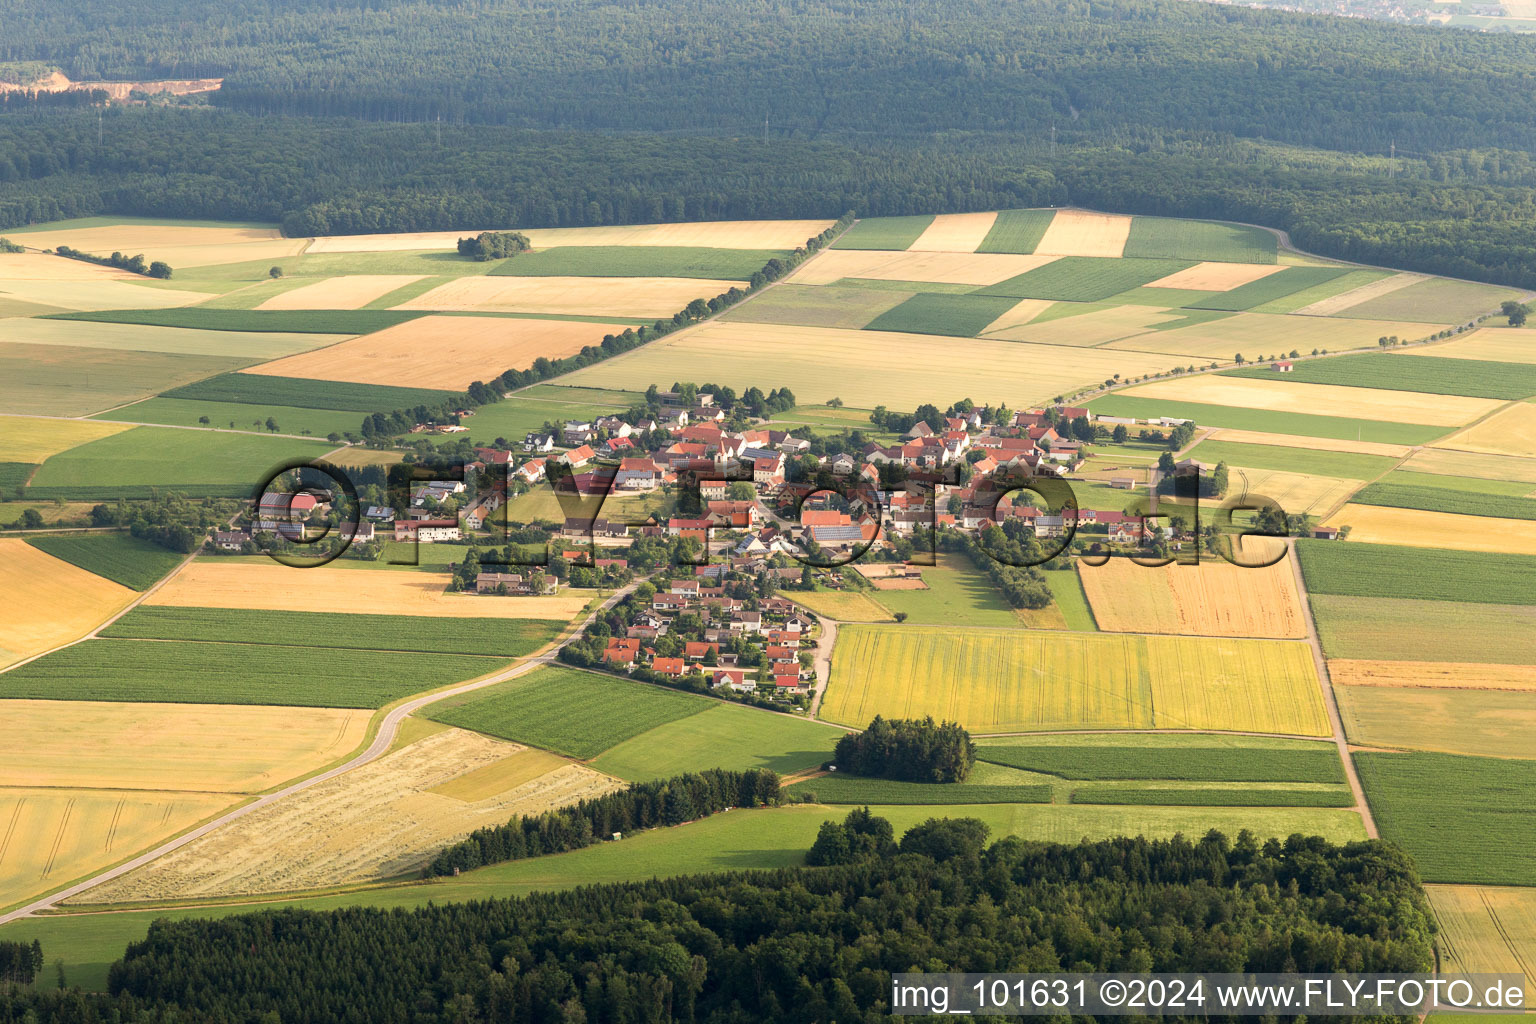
(1517, 312)
(133, 264)
(908, 749)
(493, 245)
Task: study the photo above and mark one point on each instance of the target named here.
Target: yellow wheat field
(136, 238)
(36, 266)
(512, 771)
(977, 268)
(1316, 444)
(1366, 292)
(1485, 467)
(1497, 344)
(1212, 598)
(1266, 334)
(1319, 399)
(267, 586)
(954, 232)
(1085, 233)
(819, 363)
(31, 439)
(382, 820)
(722, 234)
(1374, 524)
(446, 352)
(106, 293)
(845, 606)
(1092, 328)
(50, 837)
(1023, 680)
(591, 296)
(248, 345)
(351, 292)
(1486, 929)
(190, 747)
(1297, 493)
(1019, 315)
(190, 257)
(45, 602)
(1511, 432)
(1216, 277)
(1458, 675)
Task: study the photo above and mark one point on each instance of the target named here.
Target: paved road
(382, 741)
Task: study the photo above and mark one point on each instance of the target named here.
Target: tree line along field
(506, 638)
(1386, 570)
(1455, 501)
(849, 789)
(999, 681)
(236, 673)
(120, 557)
(1425, 374)
(1438, 807)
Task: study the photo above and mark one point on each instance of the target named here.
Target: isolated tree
(1121, 435)
(204, 420)
(271, 424)
(834, 403)
(900, 616)
(1517, 312)
(275, 273)
(31, 519)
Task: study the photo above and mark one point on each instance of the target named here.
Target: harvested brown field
(1209, 599)
(1297, 493)
(1019, 315)
(590, 296)
(1316, 444)
(87, 294)
(1216, 277)
(1321, 399)
(512, 771)
(1366, 292)
(448, 352)
(1375, 524)
(382, 820)
(36, 266)
(265, 585)
(880, 570)
(353, 291)
(1484, 467)
(45, 602)
(954, 232)
(899, 584)
(1495, 344)
(1510, 432)
(1450, 674)
(973, 268)
(185, 747)
(136, 238)
(190, 257)
(50, 837)
(720, 234)
(1085, 233)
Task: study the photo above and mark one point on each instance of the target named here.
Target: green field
(722, 736)
(779, 837)
(304, 393)
(1266, 421)
(959, 316)
(1439, 300)
(1464, 819)
(195, 462)
(1188, 761)
(181, 412)
(638, 261)
(120, 557)
(1272, 287)
(14, 477)
(63, 380)
(580, 714)
(288, 321)
(1249, 796)
(1446, 499)
(1200, 240)
(884, 232)
(237, 673)
(1431, 375)
(1318, 292)
(1344, 465)
(1085, 278)
(1017, 231)
(1393, 629)
(513, 418)
(802, 305)
(1391, 570)
(1067, 589)
(1513, 488)
(958, 594)
(510, 638)
(1445, 719)
(852, 789)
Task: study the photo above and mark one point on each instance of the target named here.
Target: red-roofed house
(668, 666)
(695, 650)
(578, 457)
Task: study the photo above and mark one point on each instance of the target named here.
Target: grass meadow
(181, 412)
(1085, 278)
(853, 789)
(721, 736)
(304, 393)
(1344, 465)
(1249, 796)
(120, 557)
(288, 321)
(959, 316)
(579, 714)
(1398, 629)
(1186, 762)
(509, 638)
(235, 673)
(65, 380)
(1170, 238)
(1390, 570)
(1017, 231)
(884, 232)
(1439, 807)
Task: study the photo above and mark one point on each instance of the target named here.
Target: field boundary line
(1325, 682)
(383, 740)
